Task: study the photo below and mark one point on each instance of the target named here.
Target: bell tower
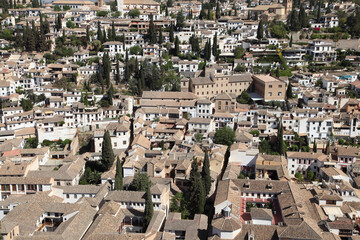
(288, 6)
(120, 6)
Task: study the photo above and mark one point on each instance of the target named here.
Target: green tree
(180, 20)
(318, 15)
(281, 149)
(197, 191)
(239, 52)
(149, 209)
(215, 46)
(117, 75)
(299, 176)
(177, 47)
(152, 31)
(289, 93)
(314, 147)
(99, 32)
(205, 173)
(260, 30)
(118, 175)
(291, 41)
(26, 104)
(141, 182)
(310, 175)
(218, 12)
(171, 33)
(160, 40)
(244, 98)
(198, 137)
(224, 136)
(113, 32)
(107, 154)
(134, 13)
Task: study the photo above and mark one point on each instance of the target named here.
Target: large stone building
(211, 85)
(268, 88)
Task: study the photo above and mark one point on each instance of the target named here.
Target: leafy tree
(310, 175)
(149, 208)
(180, 20)
(277, 30)
(205, 174)
(134, 13)
(239, 52)
(224, 136)
(107, 154)
(90, 177)
(299, 176)
(118, 175)
(197, 191)
(135, 50)
(31, 143)
(178, 204)
(70, 24)
(198, 137)
(141, 182)
(26, 104)
(244, 98)
(260, 30)
(255, 133)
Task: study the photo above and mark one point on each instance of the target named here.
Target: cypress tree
(107, 153)
(110, 94)
(281, 149)
(260, 30)
(127, 68)
(11, 4)
(327, 150)
(318, 16)
(117, 76)
(218, 13)
(171, 34)
(104, 37)
(277, 72)
(106, 68)
(151, 31)
(314, 147)
(99, 32)
(289, 91)
(19, 39)
(205, 174)
(123, 37)
(58, 22)
(302, 17)
(160, 36)
(87, 34)
(197, 191)
(177, 47)
(149, 209)
(291, 41)
(113, 32)
(215, 46)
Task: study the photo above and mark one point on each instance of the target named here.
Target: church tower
(288, 6)
(120, 6)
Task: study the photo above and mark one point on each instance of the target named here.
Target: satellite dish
(332, 218)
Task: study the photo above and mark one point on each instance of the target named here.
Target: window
(67, 196)
(75, 195)
(115, 144)
(280, 86)
(270, 86)
(269, 94)
(124, 142)
(279, 93)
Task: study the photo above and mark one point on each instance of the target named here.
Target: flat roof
(267, 78)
